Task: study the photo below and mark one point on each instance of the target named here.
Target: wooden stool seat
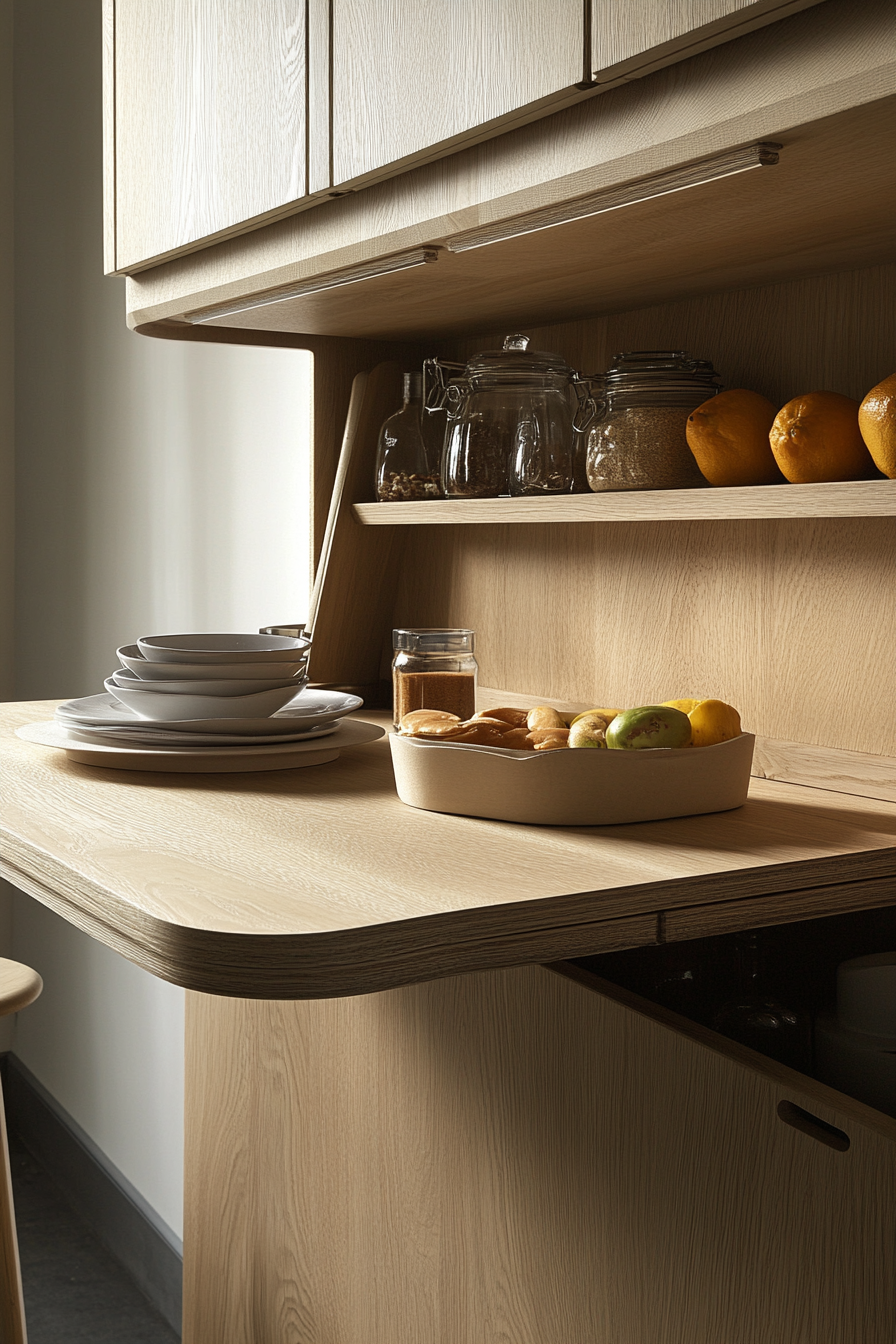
(19, 986)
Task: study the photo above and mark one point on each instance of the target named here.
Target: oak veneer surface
(407, 77)
(833, 499)
(319, 882)
(826, 63)
(511, 1156)
(209, 118)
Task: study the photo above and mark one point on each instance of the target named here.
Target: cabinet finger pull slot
(807, 1123)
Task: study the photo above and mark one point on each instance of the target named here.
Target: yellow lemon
(607, 714)
(712, 721)
(684, 705)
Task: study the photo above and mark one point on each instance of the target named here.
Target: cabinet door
(630, 39)
(412, 77)
(511, 1156)
(208, 107)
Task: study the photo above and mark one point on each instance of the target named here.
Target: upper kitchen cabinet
(415, 78)
(206, 120)
(629, 40)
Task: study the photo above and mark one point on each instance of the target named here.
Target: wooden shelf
(321, 883)
(835, 499)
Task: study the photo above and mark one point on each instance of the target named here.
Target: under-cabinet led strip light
(614, 198)
(352, 275)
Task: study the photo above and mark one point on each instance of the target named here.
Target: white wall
(161, 486)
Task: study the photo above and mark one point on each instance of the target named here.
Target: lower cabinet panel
(511, 1156)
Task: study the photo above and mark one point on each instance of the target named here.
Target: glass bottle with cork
(433, 669)
(405, 468)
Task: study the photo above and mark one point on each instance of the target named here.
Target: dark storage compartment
(775, 989)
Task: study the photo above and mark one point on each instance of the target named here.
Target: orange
(877, 425)
(728, 436)
(816, 437)
(712, 721)
(684, 705)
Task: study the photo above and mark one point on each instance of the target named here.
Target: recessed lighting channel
(352, 275)
(762, 155)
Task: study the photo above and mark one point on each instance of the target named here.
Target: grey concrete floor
(75, 1292)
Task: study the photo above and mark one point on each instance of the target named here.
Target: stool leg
(12, 1303)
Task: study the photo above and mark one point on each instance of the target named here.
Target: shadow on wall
(160, 486)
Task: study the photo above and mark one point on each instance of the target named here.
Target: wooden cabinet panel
(513, 1156)
(626, 37)
(410, 75)
(210, 117)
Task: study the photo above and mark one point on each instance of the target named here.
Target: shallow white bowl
(571, 788)
(148, 703)
(129, 680)
(130, 657)
(221, 648)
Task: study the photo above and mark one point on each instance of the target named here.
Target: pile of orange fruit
(738, 438)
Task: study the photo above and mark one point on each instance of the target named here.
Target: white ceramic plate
(125, 678)
(129, 736)
(130, 657)
(309, 706)
(276, 756)
(159, 706)
(221, 648)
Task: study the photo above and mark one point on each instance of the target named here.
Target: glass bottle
(638, 440)
(433, 669)
(756, 1017)
(403, 468)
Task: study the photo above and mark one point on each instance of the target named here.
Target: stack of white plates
(202, 694)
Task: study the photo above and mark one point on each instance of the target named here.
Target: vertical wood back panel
(792, 621)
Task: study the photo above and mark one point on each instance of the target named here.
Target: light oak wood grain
(209, 119)
(836, 499)
(13, 1328)
(704, 921)
(19, 986)
(747, 229)
(789, 621)
(320, 78)
(829, 63)
(628, 41)
(514, 1156)
(864, 773)
(410, 78)
(109, 176)
(279, 885)
(352, 596)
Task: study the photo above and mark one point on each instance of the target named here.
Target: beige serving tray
(571, 788)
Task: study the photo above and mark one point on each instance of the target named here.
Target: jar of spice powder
(433, 669)
(639, 441)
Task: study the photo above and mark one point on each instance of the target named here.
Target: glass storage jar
(433, 669)
(511, 422)
(638, 440)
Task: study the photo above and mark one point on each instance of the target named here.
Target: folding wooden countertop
(318, 883)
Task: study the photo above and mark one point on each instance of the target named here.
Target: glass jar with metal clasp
(638, 439)
(516, 418)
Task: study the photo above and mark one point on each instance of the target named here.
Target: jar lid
(433, 641)
(671, 370)
(516, 358)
